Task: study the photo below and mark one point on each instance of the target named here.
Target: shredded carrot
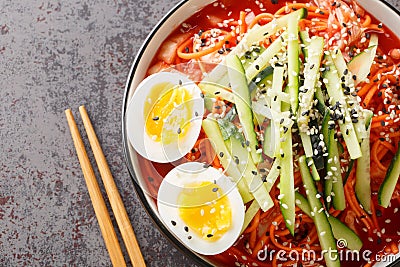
(367, 21)
(259, 17)
(192, 55)
(242, 23)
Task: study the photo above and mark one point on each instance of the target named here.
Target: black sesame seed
(173, 223)
(383, 123)
(380, 25)
(189, 237)
(254, 172)
(186, 229)
(354, 77)
(221, 154)
(156, 118)
(321, 12)
(378, 213)
(379, 93)
(215, 189)
(187, 49)
(367, 35)
(201, 95)
(257, 67)
(279, 167)
(210, 235)
(179, 131)
(236, 159)
(285, 129)
(346, 71)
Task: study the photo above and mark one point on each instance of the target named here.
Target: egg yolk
(205, 210)
(169, 113)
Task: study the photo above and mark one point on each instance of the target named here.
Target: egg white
(167, 202)
(136, 120)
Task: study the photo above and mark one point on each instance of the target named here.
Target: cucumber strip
(261, 109)
(361, 64)
(211, 128)
(332, 82)
(249, 214)
(263, 60)
(276, 91)
(305, 39)
(241, 94)
(211, 90)
(314, 171)
(349, 87)
(319, 95)
(293, 62)
(273, 174)
(389, 184)
(287, 175)
(262, 78)
(343, 232)
(333, 186)
(363, 176)
(249, 171)
(271, 145)
(324, 230)
(306, 141)
(311, 76)
(251, 55)
(339, 229)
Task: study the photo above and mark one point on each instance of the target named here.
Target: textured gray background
(56, 55)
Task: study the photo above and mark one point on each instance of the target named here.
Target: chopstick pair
(103, 217)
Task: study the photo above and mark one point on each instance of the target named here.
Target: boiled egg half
(164, 116)
(202, 207)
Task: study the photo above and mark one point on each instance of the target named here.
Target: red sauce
(153, 173)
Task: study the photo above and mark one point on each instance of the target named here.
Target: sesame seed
(173, 223)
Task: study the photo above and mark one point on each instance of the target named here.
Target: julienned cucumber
(249, 172)
(339, 229)
(211, 128)
(241, 95)
(363, 175)
(287, 176)
(324, 230)
(293, 62)
(332, 83)
(389, 184)
(333, 187)
(361, 64)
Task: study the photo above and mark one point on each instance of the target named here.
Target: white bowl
(178, 14)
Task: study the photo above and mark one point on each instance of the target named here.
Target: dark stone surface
(56, 55)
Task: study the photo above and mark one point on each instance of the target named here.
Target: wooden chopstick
(106, 227)
(114, 197)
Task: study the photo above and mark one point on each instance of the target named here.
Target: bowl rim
(128, 160)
